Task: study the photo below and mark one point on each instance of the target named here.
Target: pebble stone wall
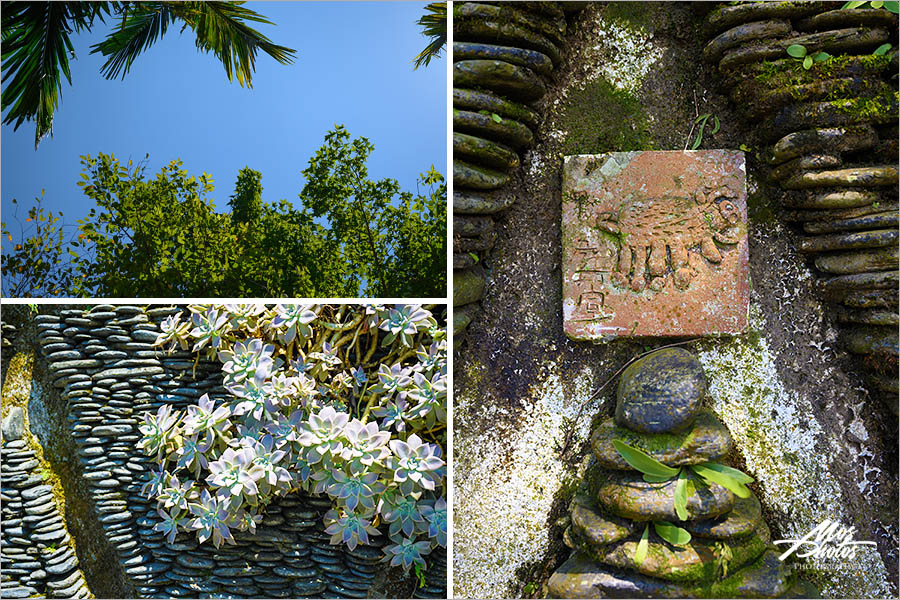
(829, 134)
(36, 557)
(110, 375)
(502, 55)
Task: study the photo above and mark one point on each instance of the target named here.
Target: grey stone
(112, 430)
(597, 528)
(63, 567)
(18, 592)
(661, 392)
(707, 439)
(194, 561)
(295, 572)
(626, 494)
(14, 424)
(36, 492)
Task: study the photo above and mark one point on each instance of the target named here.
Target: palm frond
(220, 29)
(434, 25)
(142, 23)
(35, 49)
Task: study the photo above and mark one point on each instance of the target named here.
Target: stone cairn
(502, 55)
(110, 375)
(36, 555)
(830, 135)
(659, 412)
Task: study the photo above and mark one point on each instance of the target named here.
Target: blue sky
(353, 66)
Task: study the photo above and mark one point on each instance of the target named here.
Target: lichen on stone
(786, 451)
(504, 487)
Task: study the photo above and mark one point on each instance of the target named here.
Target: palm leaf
(220, 29)
(142, 24)
(36, 48)
(434, 26)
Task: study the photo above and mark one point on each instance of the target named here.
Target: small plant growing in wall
(344, 401)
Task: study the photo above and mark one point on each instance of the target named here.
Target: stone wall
(106, 375)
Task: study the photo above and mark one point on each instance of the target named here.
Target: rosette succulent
(404, 322)
(171, 522)
(211, 520)
(322, 434)
(436, 515)
(245, 360)
(365, 444)
(207, 422)
(160, 432)
(292, 321)
(173, 332)
(209, 328)
(235, 476)
(416, 463)
(406, 553)
(349, 528)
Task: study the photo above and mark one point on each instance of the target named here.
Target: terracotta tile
(655, 244)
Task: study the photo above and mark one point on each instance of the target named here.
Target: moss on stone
(600, 118)
(634, 15)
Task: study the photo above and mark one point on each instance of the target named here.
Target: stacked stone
(111, 376)
(659, 412)
(502, 53)
(831, 135)
(36, 555)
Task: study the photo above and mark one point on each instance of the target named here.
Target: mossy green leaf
(655, 479)
(643, 462)
(882, 50)
(681, 496)
(807, 62)
(894, 7)
(672, 533)
(641, 552)
(730, 471)
(734, 486)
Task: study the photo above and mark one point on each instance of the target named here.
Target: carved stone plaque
(654, 244)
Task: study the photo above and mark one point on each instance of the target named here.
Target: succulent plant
(171, 522)
(436, 515)
(209, 327)
(349, 528)
(292, 321)
(212, 520)
(406, 553)
(347, 401)
(245, 360)
(173, 332)
(207, 422)
(322, 434)
(417, 463)
(405, 321)
(160, 433)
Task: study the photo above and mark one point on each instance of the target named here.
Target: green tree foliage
(162, 236)
(394, 249)
(36, 265)
(37, 46)
(434, 26)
